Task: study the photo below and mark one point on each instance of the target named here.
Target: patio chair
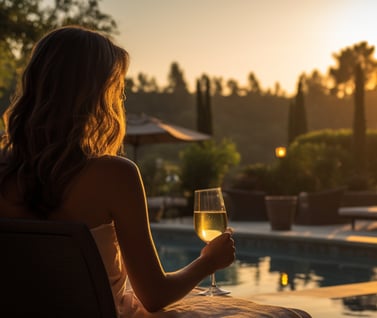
(320, 208)
(359, 198)
(52, 269)
(244, 205)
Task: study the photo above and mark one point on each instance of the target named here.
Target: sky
(277, 40)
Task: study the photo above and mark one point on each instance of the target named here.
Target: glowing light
(280, 152)
(283, 279)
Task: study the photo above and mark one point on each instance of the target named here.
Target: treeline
(256, 123)
(258, 120)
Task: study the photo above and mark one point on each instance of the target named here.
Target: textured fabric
(192, 306)
(108, 246)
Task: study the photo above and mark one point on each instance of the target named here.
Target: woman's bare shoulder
(113, 171)
(115, 164)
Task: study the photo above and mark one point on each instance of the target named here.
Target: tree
(356, 66)
(359, 122)
(291, 122)
(208, 129)
(278, 91)
(347, 60)
(8, 75)
(254, 86)
(203, 106)
(146, 84)
(176, 81)
(217, 85)
(199, 106)
(130, 85)
(315, 84)
(23, 22)
(297, 122)
(233, 87)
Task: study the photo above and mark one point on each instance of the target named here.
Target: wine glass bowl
(210, 221)
(209, 224)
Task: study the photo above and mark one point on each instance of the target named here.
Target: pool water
(255, 274)
(266, 269)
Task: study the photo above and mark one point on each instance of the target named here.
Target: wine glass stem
(213, 280)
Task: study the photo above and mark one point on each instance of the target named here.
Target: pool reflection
(264, 274)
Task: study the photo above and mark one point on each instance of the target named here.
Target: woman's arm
(154, 288)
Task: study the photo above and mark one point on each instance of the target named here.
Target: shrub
(315, 161)
(204, 165)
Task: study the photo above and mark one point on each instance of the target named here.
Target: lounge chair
(52, 269)
(319, 208)
(243, 205)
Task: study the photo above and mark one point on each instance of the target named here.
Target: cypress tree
(359, 122)
(208, 127)
(199, 106)
(297, 122)
(291, 122)
(301, 122)
(203, 106)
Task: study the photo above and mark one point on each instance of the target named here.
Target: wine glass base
(214, 291)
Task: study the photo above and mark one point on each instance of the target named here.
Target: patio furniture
(52, 269)
(360, 205)
(319, 208)
(359, 198)
(158, 206)
(243, 205)
(358, 212)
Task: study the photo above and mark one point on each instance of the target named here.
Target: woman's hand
(220, 251)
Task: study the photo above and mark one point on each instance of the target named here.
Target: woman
(59, 162)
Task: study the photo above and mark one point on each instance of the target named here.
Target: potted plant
(281, 210)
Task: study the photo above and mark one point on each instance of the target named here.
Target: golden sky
(277, 40)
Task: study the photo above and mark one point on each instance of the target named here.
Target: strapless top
(108, 246)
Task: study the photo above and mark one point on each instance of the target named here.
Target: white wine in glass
(210, 220)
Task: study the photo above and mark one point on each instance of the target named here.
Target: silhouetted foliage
(297, 115)
(199, 106)
(253, 82)
(291, 122)
(359, 122)
(315, 161)
(347, 60)
(217, 85)
(205, 165)
(233, 87)
(176, 81)
(315, 84)
(203, 106)
(23, 22)
(146, 84)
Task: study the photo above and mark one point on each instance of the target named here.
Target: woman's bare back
(85, 198)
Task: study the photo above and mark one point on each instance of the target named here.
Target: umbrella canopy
(143, 129)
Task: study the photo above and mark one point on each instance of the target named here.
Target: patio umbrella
(143, 129)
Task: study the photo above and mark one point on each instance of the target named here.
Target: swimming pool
(265, 265)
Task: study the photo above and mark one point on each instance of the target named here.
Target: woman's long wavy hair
(68, 109)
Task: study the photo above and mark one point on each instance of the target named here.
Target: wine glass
(210, 220)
